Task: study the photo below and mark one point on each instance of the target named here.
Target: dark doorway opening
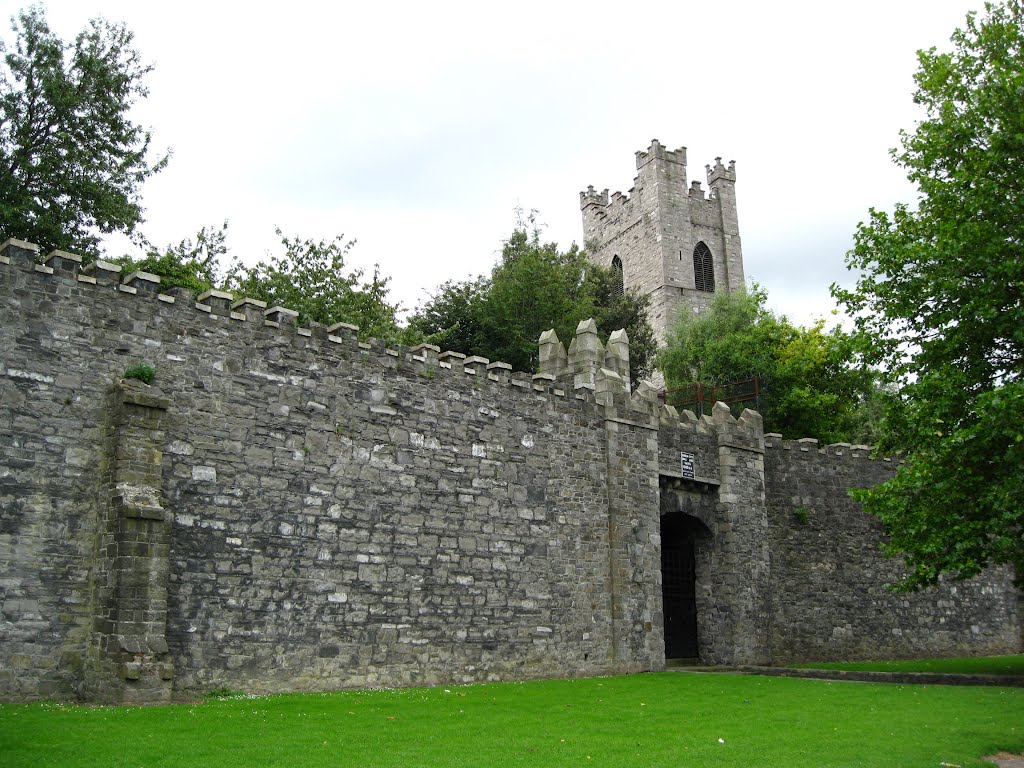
(678, 585)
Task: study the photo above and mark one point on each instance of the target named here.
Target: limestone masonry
(670, 241)
(287, 508)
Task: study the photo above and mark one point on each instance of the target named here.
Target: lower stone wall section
(338, 538)
(830, 598)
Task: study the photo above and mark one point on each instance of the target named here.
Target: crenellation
(809, 449)
(220, 302)
(106, 273)
(552, 357)
(476, 365)
(280, 316)
(586, 355)
(19, 253)
(452, 360)
(63, 261)
(499, 371)
(542, 382)
(646, 391)
(720, 173)
(143, 282)
(663, 229)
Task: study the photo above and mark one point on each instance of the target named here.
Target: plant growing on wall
(142, 372)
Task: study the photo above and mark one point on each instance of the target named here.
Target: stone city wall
(830, 595)
(288, 508)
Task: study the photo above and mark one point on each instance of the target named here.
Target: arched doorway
(679, 533)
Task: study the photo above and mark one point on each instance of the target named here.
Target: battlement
(651, 233)
(719, 172)
(809, 448)
(590, 197)
(657, 152)
(588, 370)
(598, 208)
(392, 515)
(591, 369)
(597, 204)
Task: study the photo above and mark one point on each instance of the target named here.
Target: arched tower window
(617, 267)
(703, 269)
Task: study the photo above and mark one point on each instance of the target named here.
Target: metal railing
(694, 396)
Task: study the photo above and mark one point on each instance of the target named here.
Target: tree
(534, 287)
(195, 265)
(811, 385)
(615, 308)
(311, 278)
(453, 318)
(938, 303)
(71, 160)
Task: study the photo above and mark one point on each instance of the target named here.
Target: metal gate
(678, 580)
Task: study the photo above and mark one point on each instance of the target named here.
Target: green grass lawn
(668, 719)
(979, 665)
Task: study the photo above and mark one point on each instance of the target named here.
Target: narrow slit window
(703, 269)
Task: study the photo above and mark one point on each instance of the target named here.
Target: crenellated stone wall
(288, 508)
(829, 576)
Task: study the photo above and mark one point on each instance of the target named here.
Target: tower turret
(671, 241)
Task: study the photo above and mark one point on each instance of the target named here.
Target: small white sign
(686, 464)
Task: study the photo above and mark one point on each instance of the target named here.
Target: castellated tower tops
(671, 241)
(592, 365)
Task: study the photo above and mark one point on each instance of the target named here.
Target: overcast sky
(418, 128)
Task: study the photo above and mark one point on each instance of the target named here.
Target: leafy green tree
(311, 278)
(71, 159)
(453, 318)
(615, 308)
(810, 384)
(939, 304)
(534, 287)
(192, 264)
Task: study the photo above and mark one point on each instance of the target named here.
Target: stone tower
(671, 241)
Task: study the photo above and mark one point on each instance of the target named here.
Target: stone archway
(687, 514)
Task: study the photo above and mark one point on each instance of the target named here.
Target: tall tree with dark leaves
(534, 287)
(71, 159)
(939, 303)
